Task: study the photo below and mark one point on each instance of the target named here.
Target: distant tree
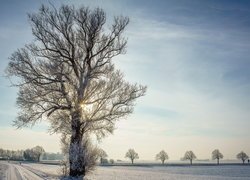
(216, 154)
(132, 155)
(242, 156)
(21, 154)
(1, 152)
(29, 155)
(52, 156)
(12, 154)
(189, 155)
(4, 154)
(163, 156)
(68, 72)
(37, 152)
(111, 161)
(33, 154)
(103, 155)
(17, 155)
(45, 156)
(8, 154)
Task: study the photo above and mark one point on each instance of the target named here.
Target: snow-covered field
(203, 172)
(172, 173)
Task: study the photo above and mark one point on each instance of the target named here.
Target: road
(12, 173)
(15, 171)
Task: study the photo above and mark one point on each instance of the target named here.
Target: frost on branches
(189, 155)
(162, 155)
(132, 155)
(67, 76)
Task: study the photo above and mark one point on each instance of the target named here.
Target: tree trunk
(76, 156)
(132, 161)
(191, 161)
(218, 161)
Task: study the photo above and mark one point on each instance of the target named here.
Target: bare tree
(132, 155)
(216, 154)
(242, 156)
(13, 155)
(102, 155)
(163, 156)
(189, 155)
(37, 151)
(111, 161)
(67, 76)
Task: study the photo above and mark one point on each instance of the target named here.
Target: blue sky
(192, 55)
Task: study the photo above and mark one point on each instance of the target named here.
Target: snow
(26, 174)
(16, 171)
(12, 174)
(3, 171)
(52, 170)
(170, 172)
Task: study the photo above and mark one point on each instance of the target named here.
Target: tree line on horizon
(37, 152)
(189, 155)
(31, 154)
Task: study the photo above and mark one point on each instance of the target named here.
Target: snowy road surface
(14, 171)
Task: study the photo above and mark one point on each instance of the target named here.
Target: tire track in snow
(26, 174)
(39, 173)
(12, 173)
(15, 171)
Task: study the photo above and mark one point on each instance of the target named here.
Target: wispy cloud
(198, 71)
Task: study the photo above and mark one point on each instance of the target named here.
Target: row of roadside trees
(189, 155)
(32, 154)
(10, 154)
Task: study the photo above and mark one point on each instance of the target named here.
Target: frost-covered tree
(33, 154)
(189, 155)
(103, 155)
(132, 155)
(67, 76)
(216, 154)
(17, 155)
(10, 154)
(28, 154)
(162, 156)
(37, 152)
(111, 161)
(2, 153)
(242, 156)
